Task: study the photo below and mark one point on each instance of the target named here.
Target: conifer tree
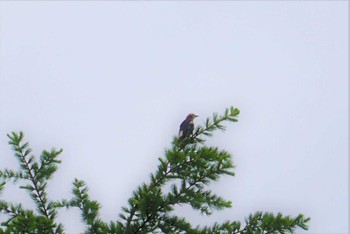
(187, 168)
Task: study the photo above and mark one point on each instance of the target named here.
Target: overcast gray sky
(110, 82)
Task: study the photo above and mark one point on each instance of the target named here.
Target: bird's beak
(195, 116)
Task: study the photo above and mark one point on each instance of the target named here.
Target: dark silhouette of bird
(187, 126)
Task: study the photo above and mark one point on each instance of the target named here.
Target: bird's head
(191, 116)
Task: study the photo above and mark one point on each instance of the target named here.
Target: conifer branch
(37, 174)
(261, 223)
(89, 208)
(231, 114)
(186, 161)
(182, 177)
(22, 151)
(11, 210)
(15, 175)
(269, 223)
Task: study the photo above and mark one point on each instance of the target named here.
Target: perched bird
(187, 126)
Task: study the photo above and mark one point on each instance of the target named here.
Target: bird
(187, 126)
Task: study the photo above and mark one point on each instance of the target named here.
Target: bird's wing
(181, 133)
(183, 129)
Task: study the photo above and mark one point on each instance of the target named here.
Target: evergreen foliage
(35, 174)
(182, 177)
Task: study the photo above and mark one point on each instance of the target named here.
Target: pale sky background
(110, 82)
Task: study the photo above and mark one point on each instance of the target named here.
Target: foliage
(186, 168)
(35, 174)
